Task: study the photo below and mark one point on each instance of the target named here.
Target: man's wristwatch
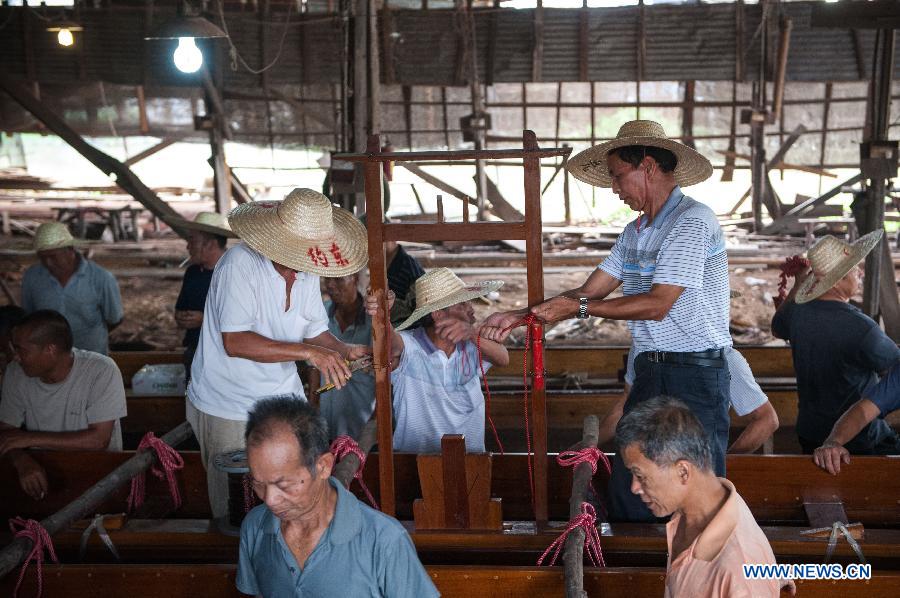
(582, 308)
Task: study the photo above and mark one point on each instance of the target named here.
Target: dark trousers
(705, 390)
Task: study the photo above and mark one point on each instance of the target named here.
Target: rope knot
(591, 455)
(345, 445)
(169, 459)
(40, 541)
(587, 520)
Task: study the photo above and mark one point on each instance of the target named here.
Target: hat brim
(203, 228)
(467, 294)
(590, 165)
(258, 225)
(60, 245)
(815, 286)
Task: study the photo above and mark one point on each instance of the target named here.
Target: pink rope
(40, 541)
(171, 462)
(345, 445)
(586, 520)
(587, 455)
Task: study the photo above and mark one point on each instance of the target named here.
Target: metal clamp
(97, 524)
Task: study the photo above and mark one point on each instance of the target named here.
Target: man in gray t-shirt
(56, 397)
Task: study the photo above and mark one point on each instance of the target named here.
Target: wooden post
(573, 554)
(535, 275)
(346, 469)
(381, 328)
(84, 505)
(456, 500)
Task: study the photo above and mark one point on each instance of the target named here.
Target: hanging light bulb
(65, 37)
(65, 31)
(188, 57)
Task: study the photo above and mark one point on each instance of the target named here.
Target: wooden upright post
(381, 328)
(535, 274)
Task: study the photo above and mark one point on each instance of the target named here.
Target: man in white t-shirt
(56, 397)
(263, 313)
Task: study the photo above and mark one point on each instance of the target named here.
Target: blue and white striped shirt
(436, 395)
(683, 246)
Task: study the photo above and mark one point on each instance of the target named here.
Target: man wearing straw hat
(672, 265)
(67, 282)
(263, 313)
(208, 235)
(838, 351)
(436, 367)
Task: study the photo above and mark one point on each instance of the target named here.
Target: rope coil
(346, 445)
(169, 459)
(40, 541)
(587, 521)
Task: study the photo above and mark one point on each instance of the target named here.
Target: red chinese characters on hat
(319, 258)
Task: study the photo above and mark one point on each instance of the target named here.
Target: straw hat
(211, 223)
(440, 288)
(590, 165)
(303, 232)
(52, 235)
(831, 259)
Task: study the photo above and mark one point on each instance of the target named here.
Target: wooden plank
(498, 154)
(153, 149)
(789, 482)
(453, 469)
(452, 581)
(455, 231)
(198, 541)
(381, 328)
(534, 265)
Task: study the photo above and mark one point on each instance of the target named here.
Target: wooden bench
(151, 581)
(774, 486)
(595, 362)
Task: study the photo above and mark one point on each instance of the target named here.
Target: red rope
(792, 266)
(345, 445)
(40, 541)
(586, 520)
(535, 344)
(170, 461)
(487, 392)
(589, 455)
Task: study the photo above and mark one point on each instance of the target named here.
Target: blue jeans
(705, 390)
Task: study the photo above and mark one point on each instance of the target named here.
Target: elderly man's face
(849, 285)
(341, 289)
(198, 245)
(628, 182)
(60, 262)
(282, 481)
(661, 488)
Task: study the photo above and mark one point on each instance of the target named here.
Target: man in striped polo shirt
(673, 269)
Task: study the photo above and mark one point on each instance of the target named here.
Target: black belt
(708, 359)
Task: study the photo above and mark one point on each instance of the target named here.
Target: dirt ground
(149, 303)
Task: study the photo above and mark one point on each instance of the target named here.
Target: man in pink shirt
(712, 532)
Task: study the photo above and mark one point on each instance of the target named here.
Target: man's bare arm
(763, 423)
(95, 437)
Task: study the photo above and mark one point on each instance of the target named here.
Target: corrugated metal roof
(682, 42)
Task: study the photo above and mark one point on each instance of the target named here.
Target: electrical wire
(236, 56)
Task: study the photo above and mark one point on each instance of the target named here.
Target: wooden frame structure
(528, 230)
